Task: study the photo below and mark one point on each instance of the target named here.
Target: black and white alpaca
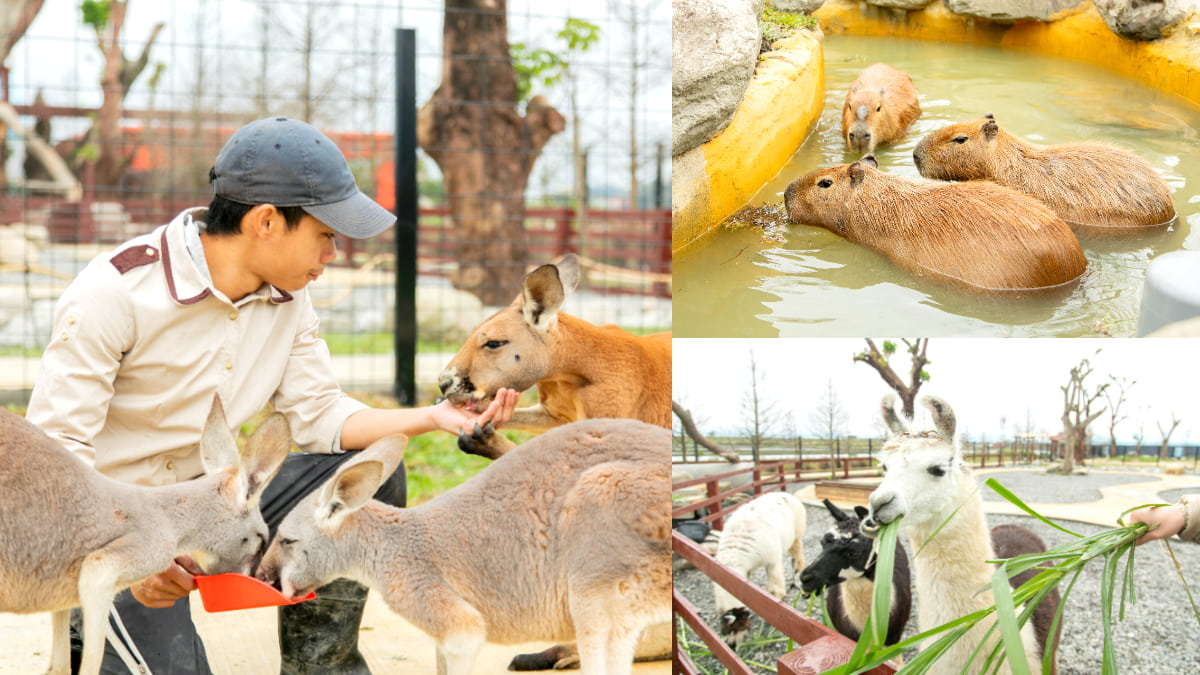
(925, 480)
(846, 568)
(755, 536)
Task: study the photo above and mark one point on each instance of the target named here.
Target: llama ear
(888, 408)
(943, 416)
(834, 511)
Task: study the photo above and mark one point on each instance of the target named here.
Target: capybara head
(879, 108)
(962, 151)
(822, 197)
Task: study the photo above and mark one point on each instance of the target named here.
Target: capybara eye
(824, 182)
(959, 139)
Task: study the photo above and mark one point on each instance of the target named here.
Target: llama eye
(287, 542)
(824, 183)
(959, 139)
(936, 471)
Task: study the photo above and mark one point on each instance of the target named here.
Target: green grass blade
(881, 601)
(1048, 654)
(1010, 630)
(1127, 586)
(1004, 492)
(1108, 581)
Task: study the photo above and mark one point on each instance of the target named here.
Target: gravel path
(1159, 634)
(1034, 486)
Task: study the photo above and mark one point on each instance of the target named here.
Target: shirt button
(65, 337)
(229, 365)
(70, 321)
(170, 466)
(233, 315)
(150, 252)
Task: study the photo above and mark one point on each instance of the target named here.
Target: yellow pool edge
(779, 108)
(714, 180)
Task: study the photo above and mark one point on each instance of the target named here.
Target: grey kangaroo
(72, 537)
(567, 536)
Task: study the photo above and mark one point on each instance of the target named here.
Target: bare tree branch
(689, 427)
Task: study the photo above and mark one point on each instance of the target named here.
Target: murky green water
(813, 283)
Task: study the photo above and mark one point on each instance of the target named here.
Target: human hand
(449, 417)
(164, 588)
(1164, 521)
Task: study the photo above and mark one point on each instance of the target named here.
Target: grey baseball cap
(287, 162)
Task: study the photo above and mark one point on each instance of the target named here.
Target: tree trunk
(484, 148)
(689, 428)
(15, 18)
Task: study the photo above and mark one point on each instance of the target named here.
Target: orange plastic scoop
(225, 592)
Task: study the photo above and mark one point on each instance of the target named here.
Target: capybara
(1099, 189)
(880, 106)
(978, 234)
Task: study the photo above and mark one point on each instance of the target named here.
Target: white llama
(755, 536)
(925, 480)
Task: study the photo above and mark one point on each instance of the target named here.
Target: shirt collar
(186, 269)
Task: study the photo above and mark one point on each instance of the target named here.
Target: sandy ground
(244, 643)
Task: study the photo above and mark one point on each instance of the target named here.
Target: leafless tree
(758, 413)
(635, 15)
(15, 17)
(828, 418)
(1166, 435)
(917, 375)
(1077, 414)
(1115, 396)
(689, 428)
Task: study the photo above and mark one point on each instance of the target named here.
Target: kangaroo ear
(265, 452)
(568, 272)
(389, 450)
(352, 486)
(542, 297)
(218, 447)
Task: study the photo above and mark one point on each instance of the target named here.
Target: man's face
(293, 258)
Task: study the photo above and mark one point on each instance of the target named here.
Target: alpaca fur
(978, 235)
(925, 480)
(1097, 188)
(880, 107)
(846, 568)
(755, 536)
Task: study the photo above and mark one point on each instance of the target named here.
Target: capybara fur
(880, 107)
(1099, 189)
(978, 234)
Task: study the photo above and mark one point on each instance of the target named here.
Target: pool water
(796, 280)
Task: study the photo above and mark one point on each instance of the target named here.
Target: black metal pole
(404, 328)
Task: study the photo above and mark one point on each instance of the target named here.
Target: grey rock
(1140, 19)
(714, 48)
(1010, 10)
(900, 4)
(803, 6)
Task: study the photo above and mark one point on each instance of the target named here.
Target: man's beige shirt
(140, 344)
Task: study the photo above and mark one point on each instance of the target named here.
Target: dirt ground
(244, 643)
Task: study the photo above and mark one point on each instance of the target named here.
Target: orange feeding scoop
(225, 592)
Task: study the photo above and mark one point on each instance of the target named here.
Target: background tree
(484, 147)
(689, 427)
(1115, 396)
(917, 375)
(1077, 414)
(107, 19)
(757, 412)
(828, 418)
(1166, 435)
(15, 17)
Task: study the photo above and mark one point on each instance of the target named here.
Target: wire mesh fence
(114, 111)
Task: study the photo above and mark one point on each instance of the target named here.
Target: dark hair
(225, 215)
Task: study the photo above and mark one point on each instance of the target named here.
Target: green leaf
(1004, 492)
(95, 13)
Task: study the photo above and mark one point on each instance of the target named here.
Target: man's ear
(262, 220)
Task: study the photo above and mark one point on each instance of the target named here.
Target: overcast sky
(983, 380)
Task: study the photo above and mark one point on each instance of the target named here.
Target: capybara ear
(856, 173)
(869, 160)
(990, 128)
(989, 116)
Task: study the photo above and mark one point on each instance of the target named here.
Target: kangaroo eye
(960, 139)
(495, 344)
(936, 471)
(878, 108)
(824, 183)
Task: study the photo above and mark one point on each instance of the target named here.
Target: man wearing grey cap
(215, 302)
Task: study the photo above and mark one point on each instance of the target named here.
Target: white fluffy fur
(755, 536)
(953, 577)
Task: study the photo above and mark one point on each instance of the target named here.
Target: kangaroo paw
(482, 441)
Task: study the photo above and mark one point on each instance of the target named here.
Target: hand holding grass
(1163, 521)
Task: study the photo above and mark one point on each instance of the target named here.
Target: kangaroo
(566, 537)
(581, 370)
(72, 537)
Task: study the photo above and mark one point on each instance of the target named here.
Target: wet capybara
(880, 106)
(1099, 189)
(978, 234)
